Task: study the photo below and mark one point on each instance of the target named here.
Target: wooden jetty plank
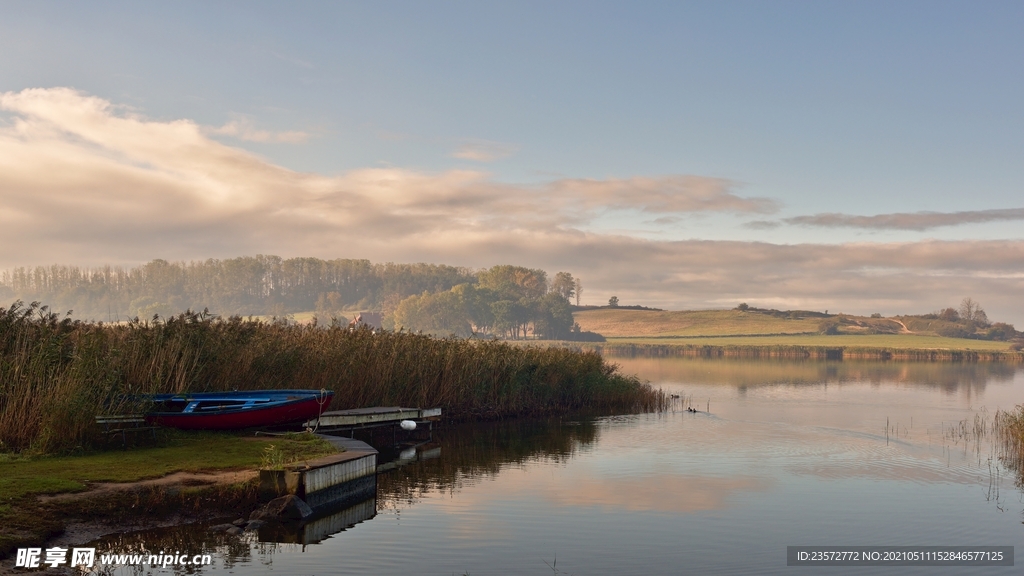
(365, 416)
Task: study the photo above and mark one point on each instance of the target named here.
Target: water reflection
(320, 528)
(474, 452)
(792, 453)
(228, 551)
(750, 373)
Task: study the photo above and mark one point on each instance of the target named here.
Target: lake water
(783, 453)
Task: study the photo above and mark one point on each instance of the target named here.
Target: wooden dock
(337, 420)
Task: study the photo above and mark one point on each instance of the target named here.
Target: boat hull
(283, 407)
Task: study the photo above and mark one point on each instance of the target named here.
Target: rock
(221, 527)
(241, 522)
(234, 530)
(289, 507)
(254, 525)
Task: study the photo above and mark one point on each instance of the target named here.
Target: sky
(859, 157)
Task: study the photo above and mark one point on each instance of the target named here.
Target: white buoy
(408, 425)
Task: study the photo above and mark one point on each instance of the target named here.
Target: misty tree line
(505, 300)
(257, 285)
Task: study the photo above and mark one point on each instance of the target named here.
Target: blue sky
(777, 112)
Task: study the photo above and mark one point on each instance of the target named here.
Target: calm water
(791, 453)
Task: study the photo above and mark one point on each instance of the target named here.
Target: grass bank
(851, 341)
(25, 520)
(56, 374)
(799, 347)
(616, 323)
(811, 347)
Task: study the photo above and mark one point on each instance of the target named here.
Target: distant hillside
(618, 322)
(622, 323)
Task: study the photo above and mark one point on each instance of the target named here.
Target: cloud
(762, 224)
(243, 129)
(918, 221)
(666, 194)
(484, 151)
(85, 182)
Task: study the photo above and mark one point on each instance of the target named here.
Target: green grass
(619, 323)
(25, 521)
(889, 341)
(193, 452)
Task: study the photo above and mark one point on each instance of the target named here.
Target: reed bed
(1009, 426)
(58, 374)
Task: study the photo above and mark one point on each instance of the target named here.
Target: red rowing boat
(237, 410)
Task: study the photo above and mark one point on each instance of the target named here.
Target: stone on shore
(289, 507)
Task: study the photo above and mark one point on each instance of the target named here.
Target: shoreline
(68, 519)
(791, 352)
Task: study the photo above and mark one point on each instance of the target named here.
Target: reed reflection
(949, 377)
(473, 452)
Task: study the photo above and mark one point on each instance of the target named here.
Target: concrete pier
(327, 482)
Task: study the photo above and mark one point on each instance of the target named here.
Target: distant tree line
(249, 285)
(970, 321)
(504, 301)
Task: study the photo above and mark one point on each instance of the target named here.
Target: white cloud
(82, 182)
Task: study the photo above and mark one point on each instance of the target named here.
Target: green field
(731, 328)
(613, 323)
(880, 341)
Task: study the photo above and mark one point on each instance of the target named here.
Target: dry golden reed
(57, 375)
(1009, 425)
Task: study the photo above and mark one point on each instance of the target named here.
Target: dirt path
(900, 322)
(176, 479)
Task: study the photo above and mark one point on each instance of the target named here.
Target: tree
(579, 290)
(441, 313)
(514, 282)
(477, 302)
(613, 301)
(553, 317)
(329, 304)
(1001, 331)
(504, 315)
(829, 327)
(564, 285)
(968, 310)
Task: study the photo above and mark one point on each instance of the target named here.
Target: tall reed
(1009, 425)
(57, 375)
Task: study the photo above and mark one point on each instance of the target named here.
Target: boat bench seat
(123, 425)
(248, 403)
